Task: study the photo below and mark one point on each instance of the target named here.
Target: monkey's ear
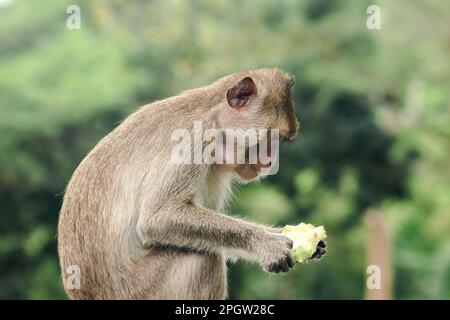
(239, 95)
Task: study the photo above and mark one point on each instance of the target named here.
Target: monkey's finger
(322, 244)
(284, 266)
(288, 242)
(272, 267)
(291, 261)
(274, 229)
(276, 268)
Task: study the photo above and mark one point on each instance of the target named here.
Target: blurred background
(371, 164)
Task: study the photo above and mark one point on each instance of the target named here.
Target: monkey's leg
(193, 276)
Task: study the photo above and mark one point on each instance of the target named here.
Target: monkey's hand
(321, 249)
(275, 253)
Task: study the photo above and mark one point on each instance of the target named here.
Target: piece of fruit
(306, 238)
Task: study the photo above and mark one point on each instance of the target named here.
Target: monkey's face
(260, 100)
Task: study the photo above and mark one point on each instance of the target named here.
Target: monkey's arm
(187, 225)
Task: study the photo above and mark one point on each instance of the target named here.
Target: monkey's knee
(196, 276)
(212, 279)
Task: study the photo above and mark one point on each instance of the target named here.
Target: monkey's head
(258, 99)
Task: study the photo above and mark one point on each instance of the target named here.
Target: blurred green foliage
(374, 107)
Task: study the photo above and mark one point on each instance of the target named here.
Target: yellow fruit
(305, 237)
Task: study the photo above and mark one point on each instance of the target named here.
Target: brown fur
(140, 227)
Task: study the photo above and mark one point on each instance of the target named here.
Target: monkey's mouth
(251, 169)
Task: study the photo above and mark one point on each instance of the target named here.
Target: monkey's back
(97, 224)
(83, 229)
(96, 230)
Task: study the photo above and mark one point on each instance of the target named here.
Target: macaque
(139, 226)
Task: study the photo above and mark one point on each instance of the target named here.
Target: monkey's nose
(292, 132)
(290, 83)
